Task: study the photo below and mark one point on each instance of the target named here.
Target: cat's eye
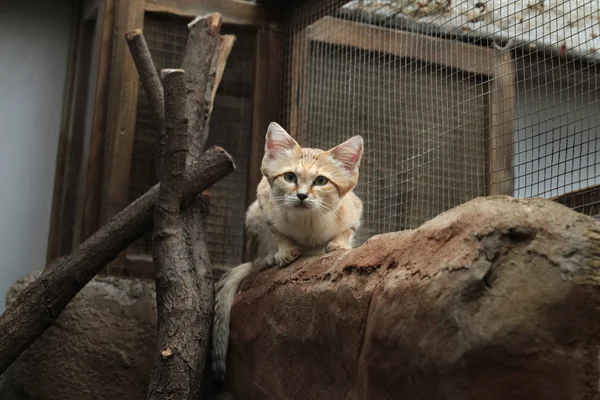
(290, 177)
(321, 181)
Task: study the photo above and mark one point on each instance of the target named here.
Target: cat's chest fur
(308, 230)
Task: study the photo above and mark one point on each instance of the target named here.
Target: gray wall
(34, 46)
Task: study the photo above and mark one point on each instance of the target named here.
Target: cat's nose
(302, 196)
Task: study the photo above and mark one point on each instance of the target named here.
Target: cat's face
(306, 179)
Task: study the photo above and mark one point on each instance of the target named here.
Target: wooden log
(175, 371)
(43, 301)
(205, 59)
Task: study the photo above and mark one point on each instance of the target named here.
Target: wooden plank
(76, 142)
(121, 114)
(501, 106)
(267, 91)
(93, 180)
(52, 251)
(261, 103)
(297, 65)
(470, 58)
(235, 12)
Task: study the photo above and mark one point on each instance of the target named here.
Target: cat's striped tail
(226, 290)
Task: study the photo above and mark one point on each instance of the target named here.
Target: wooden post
(267, 95)
(122, 104)
(501, 105)
(152, 86)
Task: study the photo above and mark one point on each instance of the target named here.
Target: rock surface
(496, 299)
(101, 347)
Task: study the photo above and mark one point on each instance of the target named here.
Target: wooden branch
(42, 302)
(219, 63)
(198, 62)
(204, 62)
(177, 295)
(152, 86)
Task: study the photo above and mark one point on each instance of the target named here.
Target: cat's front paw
(333, 246)
(286, 257)
(266, 262)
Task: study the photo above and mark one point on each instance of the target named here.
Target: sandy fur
(282, 226)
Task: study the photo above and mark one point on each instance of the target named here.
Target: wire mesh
(230, 128)
(455, 99)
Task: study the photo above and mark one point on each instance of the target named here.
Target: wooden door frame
(108, 166)
(495, 66)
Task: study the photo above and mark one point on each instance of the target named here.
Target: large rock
(496, 299)
(101, 347)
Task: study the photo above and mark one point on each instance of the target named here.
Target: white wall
(34, 47)
(557, 138)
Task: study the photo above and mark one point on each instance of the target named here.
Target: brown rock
(101, 347)
(495, 299)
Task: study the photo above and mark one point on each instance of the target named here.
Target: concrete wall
(34, 48)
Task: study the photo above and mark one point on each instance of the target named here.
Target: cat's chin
(301, 207)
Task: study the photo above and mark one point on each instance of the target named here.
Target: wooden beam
(501, 106)
(266, 105)
(470, 58)
(298, 65)
(235, 12)
(72, 182)
(267, 88)
(93, 180)
(120, 115)
(63, 146)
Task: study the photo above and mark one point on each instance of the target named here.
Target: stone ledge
(494, 299)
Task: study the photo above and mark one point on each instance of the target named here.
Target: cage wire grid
(427, 124)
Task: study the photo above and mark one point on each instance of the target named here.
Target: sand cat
(304, 206)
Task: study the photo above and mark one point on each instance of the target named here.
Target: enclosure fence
(455, 100)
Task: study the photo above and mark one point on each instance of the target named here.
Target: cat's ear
(278, 141)
(349, 153)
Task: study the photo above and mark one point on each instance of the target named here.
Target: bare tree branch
(41, 303)
(219, 64)
(174, 375)
(198, 62)
(152, 87)
(205, 57)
